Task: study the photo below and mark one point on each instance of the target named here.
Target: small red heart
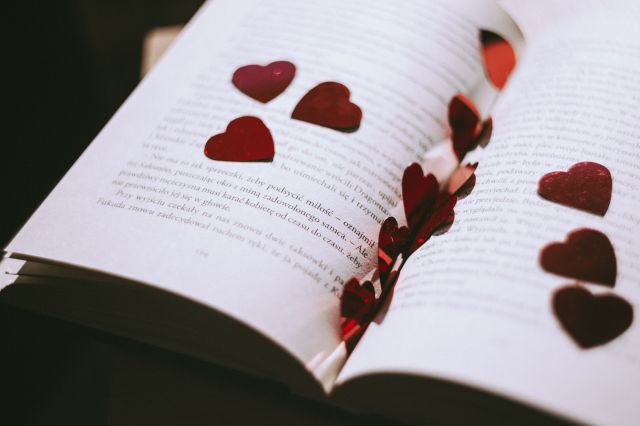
(245, 139)
(442, 216)
(586, 255)
(419, 193)
(585, 186)
(446, 224)
(392, 241)
(465, 124)
(591, 320)
(263, 83)
(328, 105)
(499, 57)
(357, 301)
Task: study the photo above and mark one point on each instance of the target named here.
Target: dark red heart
(465, 124)
(357, 307)
(392, 241)
(585, 186)
(357, 301)
(498, 56)
(328, 105)
(591, 320)
(419, 193)
(246, 139)
(263, 83)
(586, 255)
(442, 216)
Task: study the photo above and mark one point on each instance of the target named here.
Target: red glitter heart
(465, 124)
(419, 193)
(438, 219)
(392, 240)
(328, 105)
(263, 83)
(498, 56)
(357, 308)
(591, 320)
(245, 139)
(585, 186)
(586, 255)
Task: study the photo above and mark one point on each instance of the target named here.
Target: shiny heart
(442, 216)
(328, 105)
(585, 186)
(465, 125)
(392, 241)
(245, 139)
(357, 300)
(591, 320)
(419, 193)
(498, 56)
(264, 83)
(586, 255)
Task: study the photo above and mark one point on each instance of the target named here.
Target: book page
(267, 243)
(473, 306)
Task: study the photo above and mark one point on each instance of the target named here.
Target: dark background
(71, 64)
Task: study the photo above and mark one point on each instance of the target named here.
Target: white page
(474, 306)
(402, 61)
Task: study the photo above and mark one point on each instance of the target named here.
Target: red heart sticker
(419, 193)
(392, 240)
(264, 83)
(585, 186)
(498, 56)
(586, 255)
(246, 139)
(465, 124)
(591, 320)
(328, 105)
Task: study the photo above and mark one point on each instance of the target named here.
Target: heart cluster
(586, 255)
(428, 204)
(429, 209)
(247, 138)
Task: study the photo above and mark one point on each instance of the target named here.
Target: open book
(243, 263)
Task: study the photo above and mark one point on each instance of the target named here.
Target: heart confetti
(586, 255)
(419, 193)
(357, 299)
(498, 56)
(245, 139)
(442, 216)
(465, 124)
(585, 186)
(264, 83)
(392, 241)
(591, 320)
(328, 105)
